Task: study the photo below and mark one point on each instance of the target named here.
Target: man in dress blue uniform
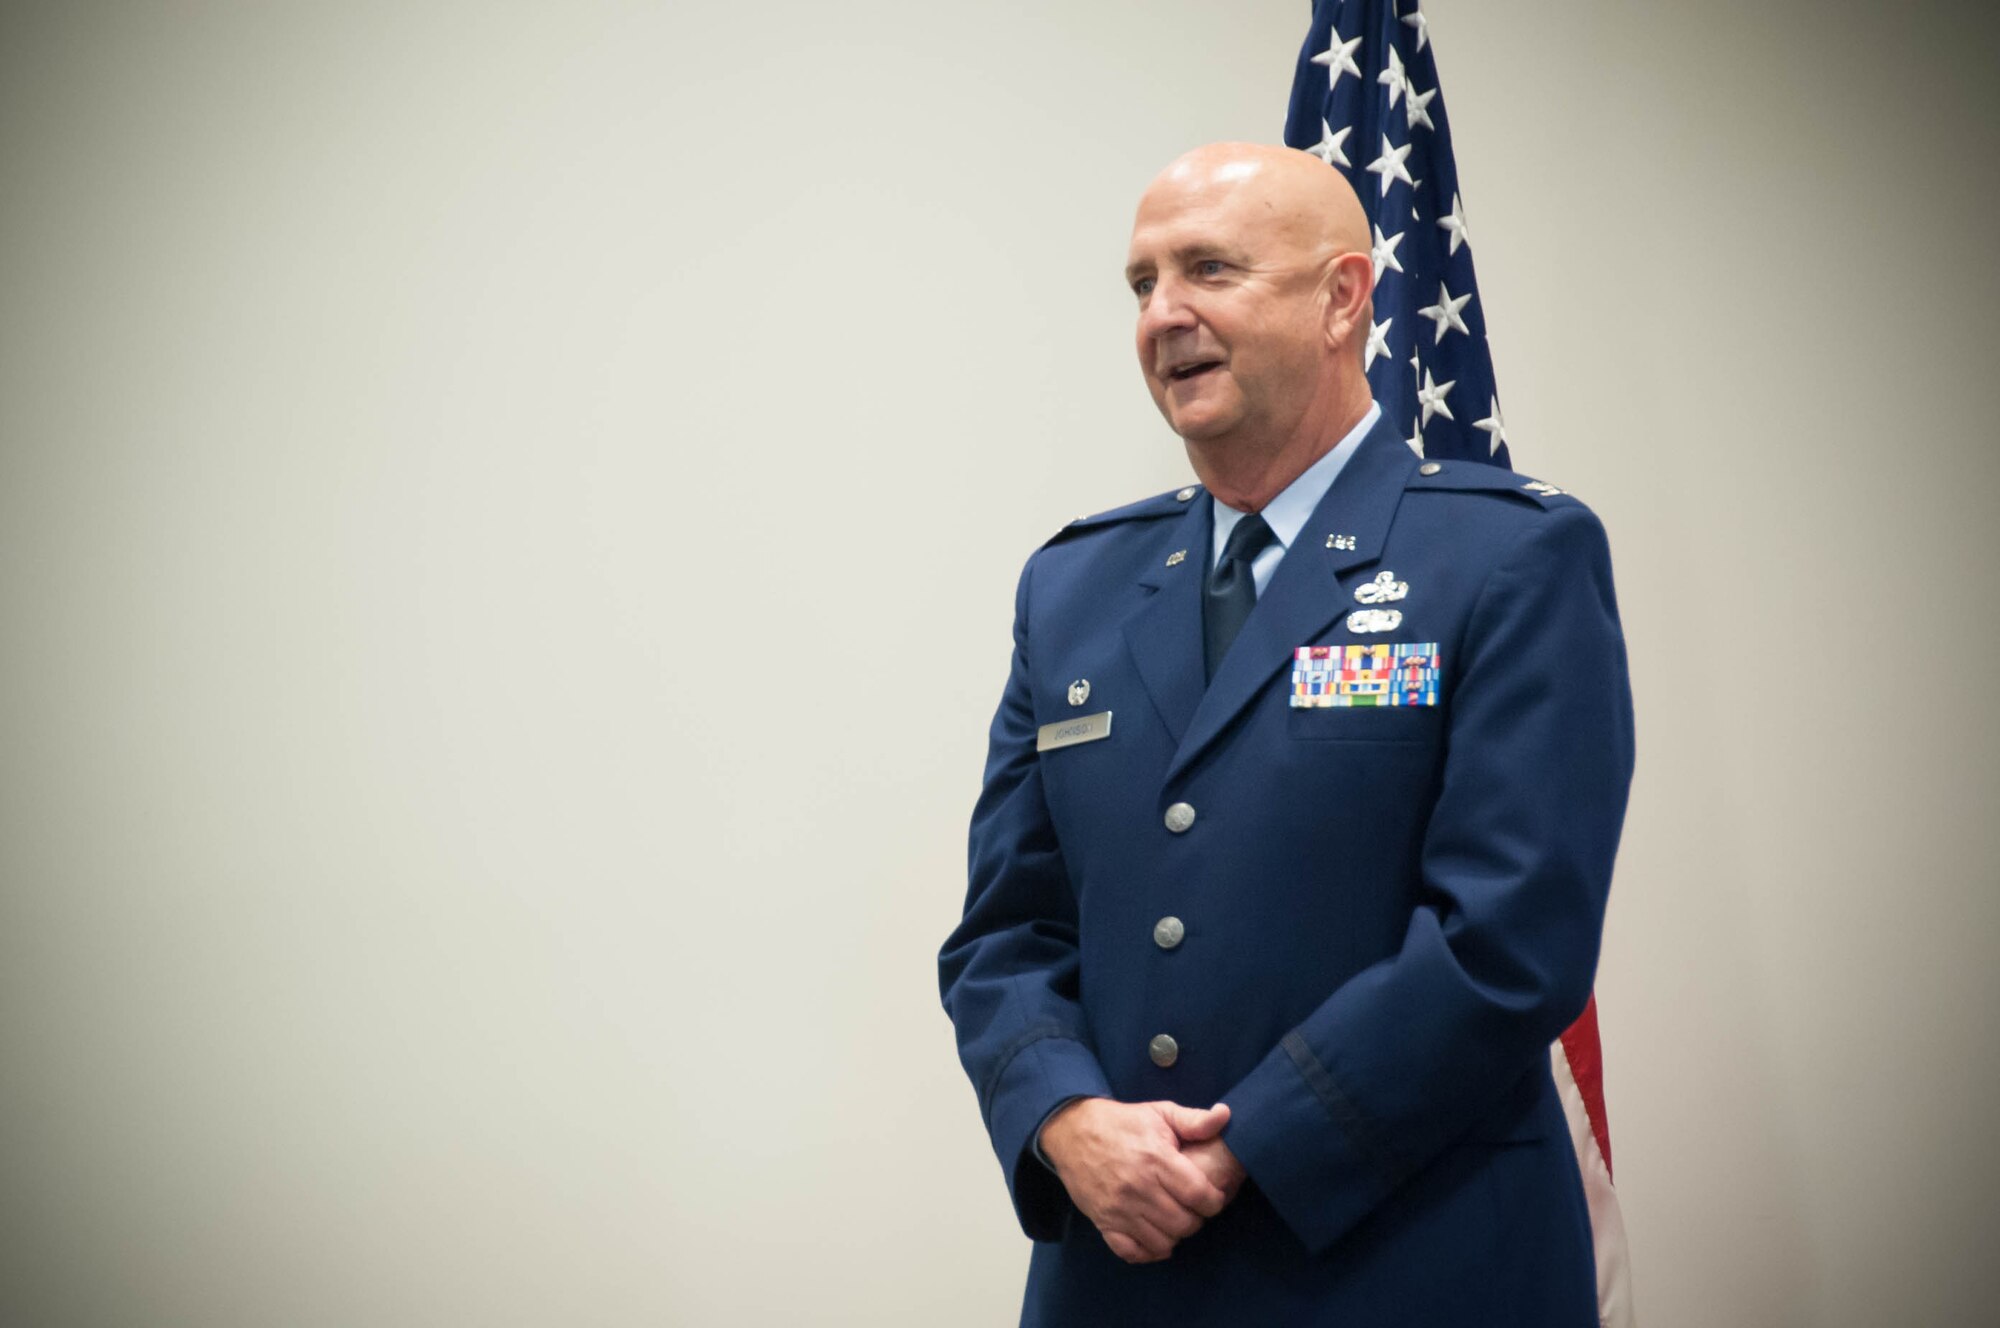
(1297, 827)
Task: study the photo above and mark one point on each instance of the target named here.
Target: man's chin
(1200, 426)
(1207, 408)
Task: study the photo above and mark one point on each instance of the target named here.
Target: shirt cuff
(1036, 1141)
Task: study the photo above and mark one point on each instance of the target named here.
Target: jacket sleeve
(1009, 972)
(1499, 955)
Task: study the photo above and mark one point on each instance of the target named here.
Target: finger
(1125, 1247)
(1170, 1215)
(1192, 1124)
(1154, 1244)
(1208, 1203)
(1177, 1222)
(1189, 1186)
(1131, 1251)
(1217, 1163)
(1225, 1180)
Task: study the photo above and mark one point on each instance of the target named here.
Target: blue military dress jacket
(1354, 887)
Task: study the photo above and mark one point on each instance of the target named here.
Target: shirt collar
(1288, 513)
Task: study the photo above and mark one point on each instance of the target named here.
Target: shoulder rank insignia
(1544, 489)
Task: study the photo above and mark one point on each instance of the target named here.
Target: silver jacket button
(1179, 817)
(1164, 1051)
(1167, 933)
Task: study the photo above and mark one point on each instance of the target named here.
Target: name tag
(1070, 732)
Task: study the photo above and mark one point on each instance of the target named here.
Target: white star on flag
(1384, 252)
(1416, 438)
(1393, 78)
(1338, 58)
(1431, 397)
(1328, 147)
(1415, 19)
(1378, 343)
(1390, 165)
(1445, 312)
(1495, 427)
(1413, 107)
(1454, 225)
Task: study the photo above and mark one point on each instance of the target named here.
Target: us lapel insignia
(1384, 588)
(1345, 543)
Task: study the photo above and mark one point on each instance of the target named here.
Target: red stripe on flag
(1586, 1063)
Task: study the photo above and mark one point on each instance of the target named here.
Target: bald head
(1294, 195)
(1251, 265)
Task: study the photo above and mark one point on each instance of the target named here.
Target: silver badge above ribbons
(1383, 589)
(1362, 621)
(1070, 732)
(1079, 691)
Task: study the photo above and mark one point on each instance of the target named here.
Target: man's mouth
(1195, 370)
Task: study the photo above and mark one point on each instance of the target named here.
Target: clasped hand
(1148, 1174)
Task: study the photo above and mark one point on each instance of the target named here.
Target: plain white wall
(507, 523)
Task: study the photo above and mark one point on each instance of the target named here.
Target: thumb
(1193, 1124)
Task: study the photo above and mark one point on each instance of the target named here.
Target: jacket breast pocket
(1365, 723)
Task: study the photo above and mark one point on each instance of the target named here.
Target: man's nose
(1165, 311)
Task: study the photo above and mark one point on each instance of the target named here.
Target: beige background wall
(507, 522)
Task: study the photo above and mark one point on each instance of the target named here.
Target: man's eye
(1210, 267)
(1143, 286)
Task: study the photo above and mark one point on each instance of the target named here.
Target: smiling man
(1256, 985)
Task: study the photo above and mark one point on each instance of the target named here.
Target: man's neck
(1247, 477)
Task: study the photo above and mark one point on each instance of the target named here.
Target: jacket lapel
(1312, 588)
(1164, 633)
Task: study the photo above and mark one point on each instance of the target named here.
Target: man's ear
(1349, 283)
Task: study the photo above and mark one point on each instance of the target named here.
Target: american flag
(1365, 100)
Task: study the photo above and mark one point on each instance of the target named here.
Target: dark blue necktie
(1231, 592)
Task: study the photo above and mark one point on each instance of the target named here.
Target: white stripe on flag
(1607, 1224)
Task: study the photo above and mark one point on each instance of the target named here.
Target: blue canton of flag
(1366, 101)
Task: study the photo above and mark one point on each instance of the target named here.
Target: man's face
(1229, 334)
